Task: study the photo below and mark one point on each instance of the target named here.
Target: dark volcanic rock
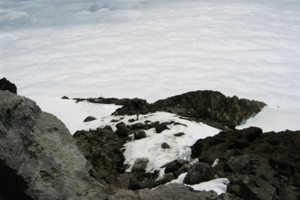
(266, 168)
(199, 172)
(161, 127)
(89, 119)
(38, 156)
(170, 191)
(140, 165)
(139, 135)
(122, 129)
(196, 148)
(172, 166)
(237, 164)
(101, 147)
(165, 145)
(65, 97)
(211, 107)
(179, 134)
(7, 85)
(143, 180)
(133, 107)
(258, 189)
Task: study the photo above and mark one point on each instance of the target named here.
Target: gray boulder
(38, 149)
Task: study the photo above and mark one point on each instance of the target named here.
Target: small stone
(160, 128)
(131, 120)
(140, 165)
(179, 134)
(165, 145)
(139, 135)
(65, 97)
(89, 118)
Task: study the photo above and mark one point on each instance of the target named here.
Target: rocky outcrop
(259, 165)
(7, 85)
(207, 106)
(210, 107)
(38, 157)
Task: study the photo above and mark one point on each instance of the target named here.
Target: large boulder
(39, 156)
(7, 85)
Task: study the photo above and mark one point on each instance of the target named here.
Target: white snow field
(154, 49)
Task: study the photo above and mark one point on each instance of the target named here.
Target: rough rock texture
(198, 173)
(101, 147)
(7, 85)
(40, 154)
(266, 168)
(170, 192)
(210, 107)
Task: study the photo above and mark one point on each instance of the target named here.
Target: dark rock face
(38, 155)
(210, 107)
(7, 85)
(266, 168)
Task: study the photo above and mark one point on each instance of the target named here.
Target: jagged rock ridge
(210, 107)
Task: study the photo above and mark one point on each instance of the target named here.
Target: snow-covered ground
(153, 49)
